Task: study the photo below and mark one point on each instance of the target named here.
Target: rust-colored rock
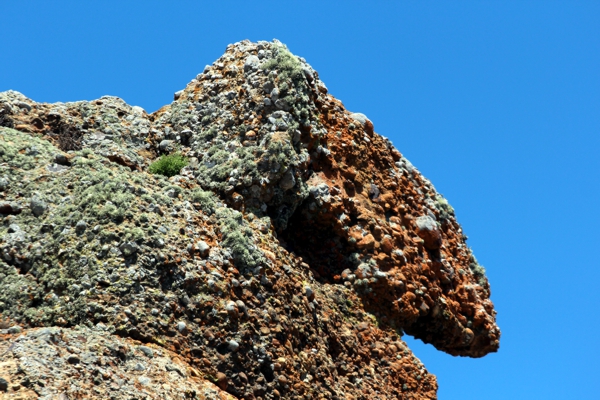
(286, 260)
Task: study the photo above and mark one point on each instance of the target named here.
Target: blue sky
(496, 102)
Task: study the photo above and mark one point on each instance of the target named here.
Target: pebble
(181, 326)
(3, 385)
(80, 226)
(241, 305)
(251, 63)
(360, 118)
(139, 367)
(148, 352)
(222, 380)
(310, 294)
(233, 345)
(202, 247)
(144, 380)
(264, 330)
(232, 309)
(274, 94)
(61, 159)
(14, 330)
(380, 275)
(129, 248)
(73, 359)
(38, 206)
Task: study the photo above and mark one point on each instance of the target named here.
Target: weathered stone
(38, 206)
(202, 262)
(428, 230)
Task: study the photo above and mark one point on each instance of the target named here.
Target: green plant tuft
(169, 165)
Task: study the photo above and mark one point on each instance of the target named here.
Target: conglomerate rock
(286, 260)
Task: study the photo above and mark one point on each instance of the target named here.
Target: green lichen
(286, 64)
(238, 237)
(478, 270)
(444, 208)
(206, 200)
(291, 82)
(23, 151)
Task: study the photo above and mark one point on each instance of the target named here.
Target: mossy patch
(478, 270)
(239, 238)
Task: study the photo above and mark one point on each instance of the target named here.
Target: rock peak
(286, 259)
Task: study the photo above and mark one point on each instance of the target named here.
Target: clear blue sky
(497, 102)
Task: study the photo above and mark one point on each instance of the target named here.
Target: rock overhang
(301, 184)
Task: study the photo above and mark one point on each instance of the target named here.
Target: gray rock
(33, 151)
(274, 94)
(73, 359)
(61, 159)
(144, 380)
(80, 226)
(360, 118)
(268, 86)
(23, 105)
(233, 345)
(139, 367)
(56, 168)
(3, 385)
(428, 230)
(181, 326)
(129, 248)
(288, 180)
(310, 294)
(14, 228)
(426, 223)
(380, 274)
(202, 247)
(282, 104)
(13, 330)
(4, 183)
(148, 352)
(38, 206)
(165, 145)
(240, 305)
(232, 309)
(251, 63)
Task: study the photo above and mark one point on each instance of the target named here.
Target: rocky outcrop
(286, 260)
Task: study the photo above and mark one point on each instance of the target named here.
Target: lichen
(478, 270)
(239, 238)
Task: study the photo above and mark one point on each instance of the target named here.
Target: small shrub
(205, 199)
(287, 64)
(168, 165)
(444, 208)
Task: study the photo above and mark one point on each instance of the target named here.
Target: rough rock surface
(285, 261)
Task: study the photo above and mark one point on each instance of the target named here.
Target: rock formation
(286, 260)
